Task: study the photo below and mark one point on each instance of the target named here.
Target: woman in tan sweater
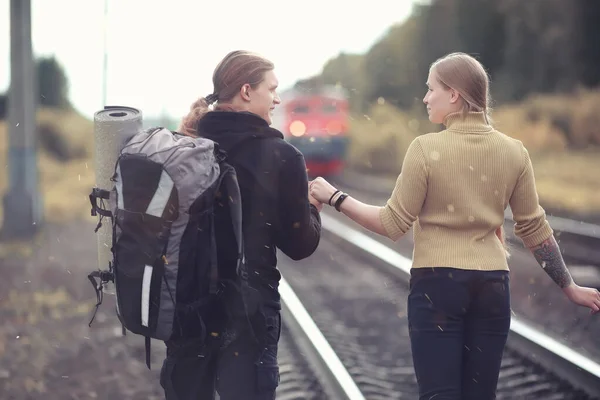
(453, 190)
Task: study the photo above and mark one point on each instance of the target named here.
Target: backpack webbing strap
(147, 345)
(104, 277)
(235, 208)
(214, 268)
(101, 194)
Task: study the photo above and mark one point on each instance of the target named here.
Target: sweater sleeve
(531, 224)
(406, 201)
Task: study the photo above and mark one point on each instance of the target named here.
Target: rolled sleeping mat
(114, 126)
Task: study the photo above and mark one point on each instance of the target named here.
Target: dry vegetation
(65, 184)
(553, 122)
(562, 134)
(380, 138)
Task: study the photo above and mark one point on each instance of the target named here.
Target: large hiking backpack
(164, 266)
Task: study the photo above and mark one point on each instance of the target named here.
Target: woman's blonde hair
(234, 71)
(468, 77)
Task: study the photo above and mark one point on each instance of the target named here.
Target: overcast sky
(161, 55)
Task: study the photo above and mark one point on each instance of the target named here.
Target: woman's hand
(584, 296)
(321, 190)
(364, 214)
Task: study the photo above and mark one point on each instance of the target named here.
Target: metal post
(105, 55)
(23, 201)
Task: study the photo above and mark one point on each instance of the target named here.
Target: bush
(379, 140)
(53, 87)
(554, 122)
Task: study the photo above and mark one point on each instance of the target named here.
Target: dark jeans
(458, 322)
(243, 369)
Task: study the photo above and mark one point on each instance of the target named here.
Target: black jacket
(273, 183)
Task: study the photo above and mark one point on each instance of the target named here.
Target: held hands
(312, 200)
(321, 190)
(315, 202)
(584, 296)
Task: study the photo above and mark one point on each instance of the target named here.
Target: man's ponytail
(189, 123)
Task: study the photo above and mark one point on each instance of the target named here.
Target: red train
(315, 121)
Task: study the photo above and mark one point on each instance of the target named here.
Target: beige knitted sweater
(453, 190)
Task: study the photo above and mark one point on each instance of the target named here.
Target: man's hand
(312, 200)
(315, 202)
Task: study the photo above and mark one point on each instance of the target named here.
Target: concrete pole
(105, 55)
(23, 201)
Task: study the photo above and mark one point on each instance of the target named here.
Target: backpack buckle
(220, 155)
(96, 194)
(103, 278)
(101, 194)
(220, 288)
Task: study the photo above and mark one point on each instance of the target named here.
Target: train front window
(300, 109)
(329, 109)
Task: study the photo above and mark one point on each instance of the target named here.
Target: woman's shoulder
(516, 144)
(428, 138)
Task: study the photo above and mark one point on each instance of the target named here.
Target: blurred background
(364, 64)
(542, 56)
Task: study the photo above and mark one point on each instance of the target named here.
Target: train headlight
(334, 127)
(297, 128)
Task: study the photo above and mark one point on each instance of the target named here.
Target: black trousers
(458, 322)
(243, 369)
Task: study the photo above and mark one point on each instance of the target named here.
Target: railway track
(352, 300)
(298, 378)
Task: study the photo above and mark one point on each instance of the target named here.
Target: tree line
(533, 46)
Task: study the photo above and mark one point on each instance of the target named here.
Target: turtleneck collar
(472, 122)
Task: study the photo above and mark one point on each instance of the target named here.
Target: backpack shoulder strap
(235, 207)
(250, 296)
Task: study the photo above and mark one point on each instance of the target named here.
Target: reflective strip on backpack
(119, 188)
(161, 195)
(146, 294)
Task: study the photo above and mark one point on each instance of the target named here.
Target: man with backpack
(277, 212)
(239, 359)
(197, 217)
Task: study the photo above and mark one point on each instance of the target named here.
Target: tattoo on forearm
(549, 257)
